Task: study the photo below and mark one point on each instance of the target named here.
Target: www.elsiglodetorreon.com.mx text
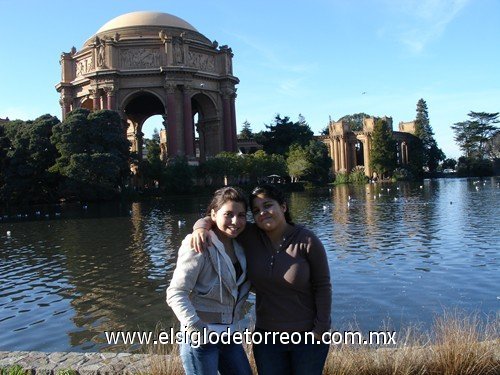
(197, 338)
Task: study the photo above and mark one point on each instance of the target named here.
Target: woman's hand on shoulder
(200, 240)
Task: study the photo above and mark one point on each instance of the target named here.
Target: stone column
(336, 156)
(201, 140)
(332, 153)
(110, 98)
(139, 138)
(366, 149)
(172, 143)
(226, 109)
(188, 123)
(96, 99)
(234, 135)
(342, 153)
(65, 103)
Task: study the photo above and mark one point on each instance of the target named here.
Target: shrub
(402, 174)
(357, 176)
(341, 178)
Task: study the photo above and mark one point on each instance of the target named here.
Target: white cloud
(423, 21)
(291, 87)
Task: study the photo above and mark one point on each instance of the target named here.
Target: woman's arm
(189, 266)
(322, 287)
(200, 239)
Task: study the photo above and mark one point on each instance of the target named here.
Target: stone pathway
(84, 363)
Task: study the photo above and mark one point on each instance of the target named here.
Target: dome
(137, 19)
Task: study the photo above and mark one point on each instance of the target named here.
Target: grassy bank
(456, 345)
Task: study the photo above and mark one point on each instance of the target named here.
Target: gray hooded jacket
(204, 286)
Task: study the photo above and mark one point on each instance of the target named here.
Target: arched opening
(359, 150)
(87, 104)
(154, 131)
(138, 109)
(197, 136)
(207, 131)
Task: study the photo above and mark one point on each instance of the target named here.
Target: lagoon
(400, 254)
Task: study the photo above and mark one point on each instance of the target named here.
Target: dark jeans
(228, 359)
(290, 359)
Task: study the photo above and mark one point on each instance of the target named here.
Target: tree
(297, 162)
(4, 147)
(179, 176)
(282, 133)
(415, 166)
(432, 154)
(94, 154)
(28, 158)
(473, 134)
(355, 121)
(493, 146)
(449, 164)
(246, 132)
(309, 163)
(260, 164)
(383, 152)
(321, 162)
(153, 167)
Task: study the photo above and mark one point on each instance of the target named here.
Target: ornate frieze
(201, 61)
(84, 66)
(140, 58)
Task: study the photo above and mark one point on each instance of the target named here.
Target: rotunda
(143, 64)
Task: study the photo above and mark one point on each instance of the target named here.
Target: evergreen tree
(383, 151)
(4, 147)
(432, 154)
(246, 132)
(282, 133)
(493, 146)
(94, 154)
(28, 158)
(474, 134)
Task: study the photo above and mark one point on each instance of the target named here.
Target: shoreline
(46, 363)
(69, 363)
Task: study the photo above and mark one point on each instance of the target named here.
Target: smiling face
(230, 218)
(268, 213)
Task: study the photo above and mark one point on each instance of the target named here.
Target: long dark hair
(272, 192)
(224, 195)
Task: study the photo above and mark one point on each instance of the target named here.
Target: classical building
(349, 149)
(143, 64)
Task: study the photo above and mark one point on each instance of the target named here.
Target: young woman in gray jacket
(208, 290)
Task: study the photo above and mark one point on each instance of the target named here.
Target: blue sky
(313, 57)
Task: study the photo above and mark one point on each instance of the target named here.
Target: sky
(319, 58)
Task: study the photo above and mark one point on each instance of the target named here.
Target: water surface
(398, 253)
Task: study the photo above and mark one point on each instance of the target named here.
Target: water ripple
(401, 255)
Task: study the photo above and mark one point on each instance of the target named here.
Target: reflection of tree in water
(120, 268)
(111, 288)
